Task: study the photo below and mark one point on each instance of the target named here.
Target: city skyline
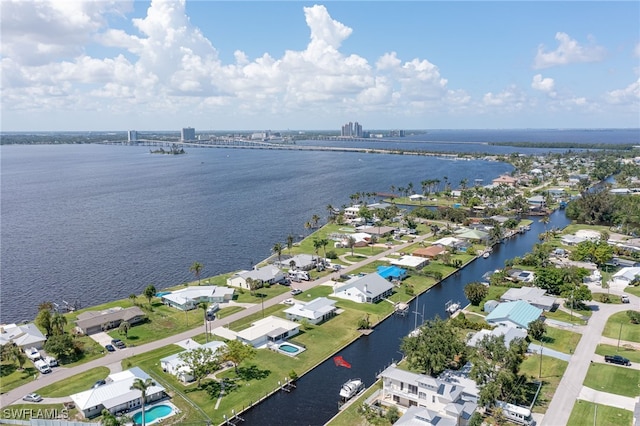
(120, 65)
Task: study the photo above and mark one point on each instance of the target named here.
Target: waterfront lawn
(584, 413)
(352, 415)
(78, 383)
(552, 372)
(560, 340)
(11, 377)
(560, 315)
(495, 292)
(627, 352)
(613, 379)
(620, 325)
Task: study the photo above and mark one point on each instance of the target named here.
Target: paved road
(62, 373)
(570, 386)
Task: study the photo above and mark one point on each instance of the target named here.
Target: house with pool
(315, 311)
(116, 394)
(262, 332)
(188, 298)
(172, 364)
(370, 288)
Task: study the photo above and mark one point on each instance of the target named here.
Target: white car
(288, 301)
(32, 397)
(296, 291)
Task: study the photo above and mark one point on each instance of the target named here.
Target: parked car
(617, 359)
(98, 384)
(110, 348)
(32, 397)
(296, 291)
(624, 298)
(51, 361)
(288, 301)
(32, 353)
(42, 366)
(118, 343)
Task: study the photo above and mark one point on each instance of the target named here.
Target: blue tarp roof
(391, 272)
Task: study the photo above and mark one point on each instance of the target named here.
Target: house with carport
(269, 274)
(316, 311)
(370, 288)
(116, 394)
(188, 298)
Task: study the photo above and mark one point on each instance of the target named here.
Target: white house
(315, 311)
(266, 275)
(447, 403)
(261, 332)
(535, 296)
(116, 395)
(370, 288)
(24, 336)
(509, 333)
(302, 262)
(188, 298)
(174, 365)
(626, 276)
(352, 212)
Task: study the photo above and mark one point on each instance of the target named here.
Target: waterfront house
(505, 180)
(172, 364)
(267, 330)
(188, 298)
(116, 395)
(351, 213)
(509, 333)
(23, 336)
(92, 322)
(533, 295)
(300, 262)
(266, 275)
(431, 252)
(537, 202)
(315, 311)
(378, 231)
(447, 402)
(370, 288)
(514, 314)
(409, 261)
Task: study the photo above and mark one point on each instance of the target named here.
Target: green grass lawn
(585, 413)
(11, 377)
(225, 312)
(601, 296)
(552, 372)
(495, 292)
(619, 325)
(633, 290)
(560, 340)
(613, 379)
(78, 383)
(627, 352)
(563, 316)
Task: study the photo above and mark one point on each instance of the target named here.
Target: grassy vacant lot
(11, 377)
(620, 325)
(78, 383)
(584, 413)
(613, 379)
(552, 371)
(495, 292)
(627, 352)
(560, 340)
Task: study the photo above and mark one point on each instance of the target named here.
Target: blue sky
(223, 65)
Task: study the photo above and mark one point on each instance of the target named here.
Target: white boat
(485, 255)
(451, 307)
(351, 388)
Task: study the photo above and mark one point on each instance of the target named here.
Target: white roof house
(370, 288)
(409, 261)
(447, 242)
(302, 262)
(509, 333)
(535, 296)
(25, 335)
(261, 332)
(445, 402)
(267, 274)
(174, 365)
(188, 298)
(116, 395)
(626, 275)
(316, 311)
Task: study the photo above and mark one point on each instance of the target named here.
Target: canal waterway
(315, 400)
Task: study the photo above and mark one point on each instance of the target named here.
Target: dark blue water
(315, 400)
(94, 223)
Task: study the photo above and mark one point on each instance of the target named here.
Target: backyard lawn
(619, 325)
(495, 292)
(552, 371)
(585, 413)
(560, 340)
(613, 379)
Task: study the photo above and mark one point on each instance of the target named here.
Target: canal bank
(315, 400)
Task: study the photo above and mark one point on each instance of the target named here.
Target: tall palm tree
(324, 242)
(351, 242)
(196, 268)
(277, 249)
(58, 321)
(289, 242)
(142, 386)
(315, 219)
(204, 306)
(331, 212)
(316, 246)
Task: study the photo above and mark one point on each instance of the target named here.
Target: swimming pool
(153, 414)
(290, 349)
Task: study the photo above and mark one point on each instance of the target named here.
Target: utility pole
(541, 347)
(619, 335)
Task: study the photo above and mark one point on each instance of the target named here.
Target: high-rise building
(353, 130)
(188, 134)
(132, 136)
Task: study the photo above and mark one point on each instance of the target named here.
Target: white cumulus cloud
(569, 51)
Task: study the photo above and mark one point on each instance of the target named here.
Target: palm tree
(351, 242)
(142, 386)
(277, 249)
(58, 321)
(204, 306)
(324, 243)
(196, 268)
(316, 246)
(315, 219)
(289, 242)
(331, 212)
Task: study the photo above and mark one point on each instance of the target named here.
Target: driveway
(535, 348)
(101, 338)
